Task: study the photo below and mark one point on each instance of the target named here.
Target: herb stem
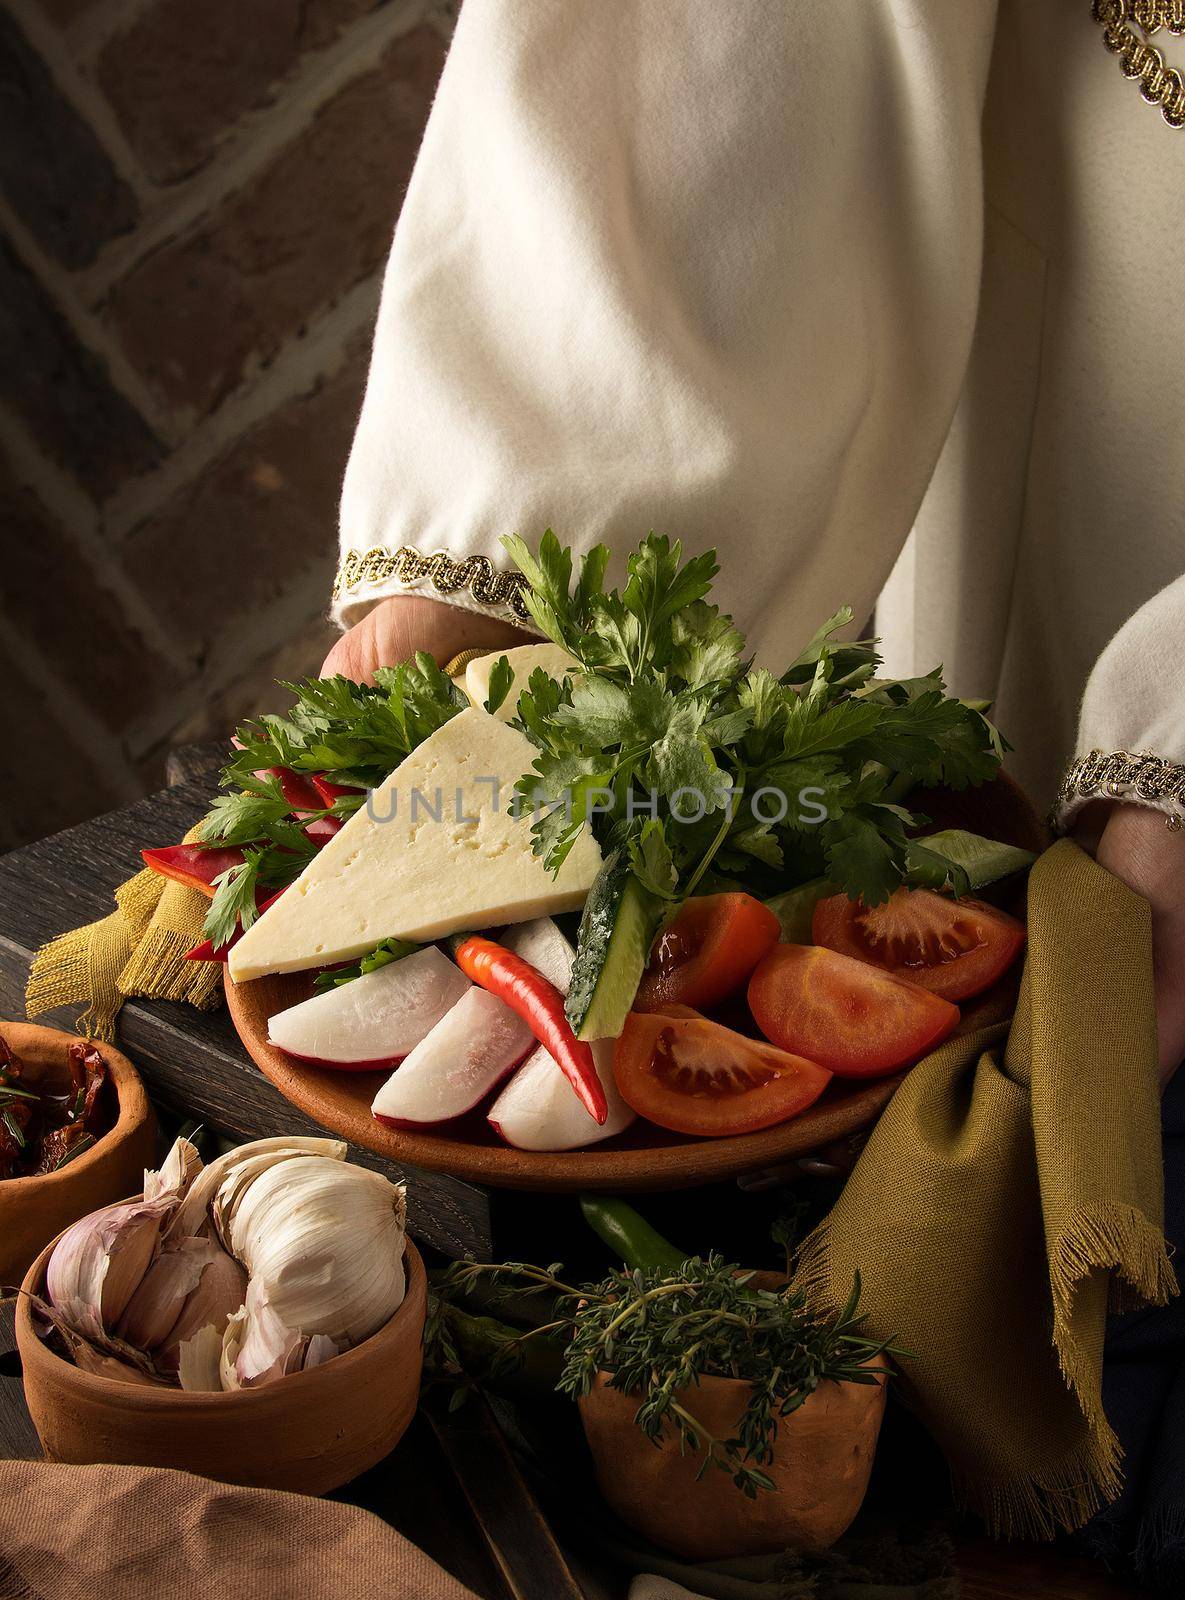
(721, 834)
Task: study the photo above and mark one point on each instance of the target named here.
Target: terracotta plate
(644, 1157)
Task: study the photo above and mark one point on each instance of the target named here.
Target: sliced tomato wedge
(955, 948)
(854, 1019)
(707, 952)
(692, 1075)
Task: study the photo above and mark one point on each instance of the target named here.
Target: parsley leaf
(381, 956)
(501, 679)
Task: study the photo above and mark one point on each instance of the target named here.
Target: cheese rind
(434, 851)
(553, 658)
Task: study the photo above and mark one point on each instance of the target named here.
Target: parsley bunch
(354, 734)
(710, 771)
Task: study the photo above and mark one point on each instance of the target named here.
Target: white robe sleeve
(1131, 728)
(708, 269)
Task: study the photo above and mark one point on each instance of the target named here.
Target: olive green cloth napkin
(1010, 1195)
(143, 1533)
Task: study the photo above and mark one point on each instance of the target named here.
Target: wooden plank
(18, 1437)
(192, 1061)
(524, 1549)
(196, 763)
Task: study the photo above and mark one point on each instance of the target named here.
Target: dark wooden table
(453, 1486)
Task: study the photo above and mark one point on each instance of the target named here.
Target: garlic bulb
(324, 1239)
(273, 1259)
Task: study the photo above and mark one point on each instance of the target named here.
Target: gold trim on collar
(1160, 84)
(485, 584)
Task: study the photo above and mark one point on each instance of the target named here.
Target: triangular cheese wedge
(435, 851)
(523, 659)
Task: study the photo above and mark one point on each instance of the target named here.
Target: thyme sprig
(658, 1334)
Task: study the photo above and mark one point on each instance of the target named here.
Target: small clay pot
(33, 1210)
(822, 1459)
(309, 1432)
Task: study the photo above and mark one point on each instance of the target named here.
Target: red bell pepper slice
(192, 864)
(322, 829)
(330, 791)
(298, 789)
(541, 1006)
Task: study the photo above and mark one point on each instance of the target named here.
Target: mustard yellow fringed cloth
(138, 950)
(1010, 1195)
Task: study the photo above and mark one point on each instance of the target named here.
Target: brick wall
(195, 203)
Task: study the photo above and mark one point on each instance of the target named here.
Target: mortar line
(82, 95)
(258, 138)
(277, 621)
(73, 508)
(61, 287)
(313, 356)
(98, 742)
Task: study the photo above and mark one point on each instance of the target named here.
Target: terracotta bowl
(33, 1210)
(309, 1432)
(822, 1460)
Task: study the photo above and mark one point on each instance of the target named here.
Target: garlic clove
(326, 1242)
(199, 1361)
(177, 1171)
(160, 1297)
(232, 1339)
(268, 1347)
(320, 1349)
(104, 1366)
(86, 1354)
(220, 1292)
(97, 1264)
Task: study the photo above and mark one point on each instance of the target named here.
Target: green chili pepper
(629, 1235)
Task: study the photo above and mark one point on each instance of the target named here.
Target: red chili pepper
(541, 1006)
(206, 951)
(192, 864)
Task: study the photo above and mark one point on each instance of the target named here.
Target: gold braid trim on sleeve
(485, 584)
(1128, 28)
(1126, 775)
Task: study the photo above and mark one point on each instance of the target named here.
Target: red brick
(68, 786)
(196, 315)
(257, 690)
(53, 596)
(63, 392)
(53, 170)
(259, 522)
(178, 88)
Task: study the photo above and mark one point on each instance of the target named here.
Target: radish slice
(374, 1020)
(541, 944)
(538, 1111)
(454, 1067)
